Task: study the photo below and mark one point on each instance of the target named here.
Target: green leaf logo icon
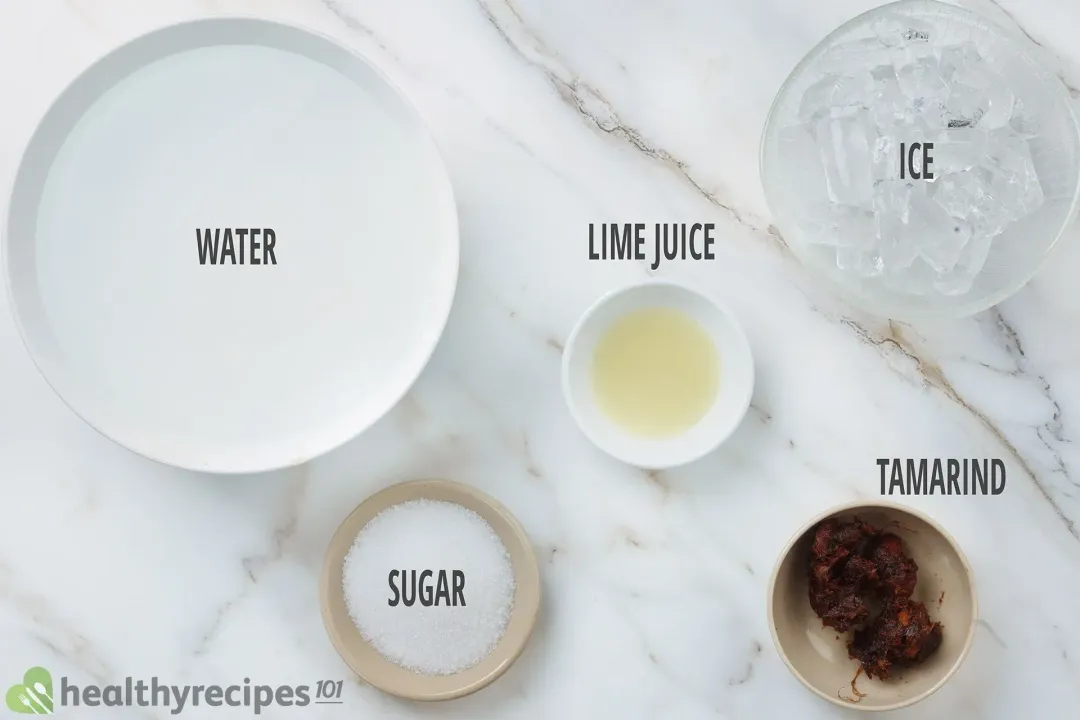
(34, 695)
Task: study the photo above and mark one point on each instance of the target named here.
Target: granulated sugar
(420, 535)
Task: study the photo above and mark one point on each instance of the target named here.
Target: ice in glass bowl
(1006, 151)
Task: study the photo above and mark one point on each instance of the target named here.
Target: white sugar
(418, 535)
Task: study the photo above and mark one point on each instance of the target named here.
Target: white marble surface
(553, 114)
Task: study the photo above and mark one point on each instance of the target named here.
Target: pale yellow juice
(655, 372)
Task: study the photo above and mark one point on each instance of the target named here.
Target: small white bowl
(732, 398)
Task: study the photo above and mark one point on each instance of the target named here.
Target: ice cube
(957, 60)
(817, 99)
(957, 150)
(887, 104)
(1000, 100)
(836, 95)
(926, 92)
(883, 73)
(967, 195)
(843, 226)
(918, 279)
(921, 79)
(863, 263)
(961, 192)
(849, 56)
(895, 30)
(1014, 181)
(977, 253)
(965, 107)
(961, 278)
(939, 238)
(886, 157)
(892, 200)
(1018, 198)
(958, 282)
(911, 224)
(930, 112)
(895, 234)
(804, 175)
(911, 52)
(846, 155)
(978, 95)
(1023, 121)
(896, 250)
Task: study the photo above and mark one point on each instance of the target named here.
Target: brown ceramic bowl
(818, 655)
(365, 661)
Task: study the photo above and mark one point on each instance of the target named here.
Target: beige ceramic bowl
(818, 655)
(365, 661)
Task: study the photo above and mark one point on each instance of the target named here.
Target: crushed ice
(903, 86)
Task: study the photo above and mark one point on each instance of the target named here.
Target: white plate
(237, 123)
(720, 421)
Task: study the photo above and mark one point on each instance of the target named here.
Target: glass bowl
(1044, 114)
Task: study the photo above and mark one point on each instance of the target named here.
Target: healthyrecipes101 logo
(34, 695)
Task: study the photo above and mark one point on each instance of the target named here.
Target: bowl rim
(873, 504)
(527, 594)
(722, 310)
(889, 310)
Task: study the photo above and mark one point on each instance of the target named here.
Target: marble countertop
(553, 114)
